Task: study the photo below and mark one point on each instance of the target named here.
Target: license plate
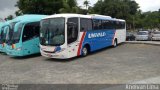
(49, 55)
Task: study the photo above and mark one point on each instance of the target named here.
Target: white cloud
(145, 5)
(7, 6)
(149, 5)
(92, 2)
(6, 12)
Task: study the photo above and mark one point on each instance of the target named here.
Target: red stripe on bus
(80, 45)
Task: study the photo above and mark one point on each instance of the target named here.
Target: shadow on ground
(26, 57)
(80, 57)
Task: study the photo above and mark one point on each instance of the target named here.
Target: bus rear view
(65, 36)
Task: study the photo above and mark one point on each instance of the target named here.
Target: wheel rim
(85, 51)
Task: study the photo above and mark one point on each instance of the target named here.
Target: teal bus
(6, 31)
(3, 32)
(24, 39)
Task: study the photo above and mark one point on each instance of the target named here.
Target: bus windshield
(17, 35)
(2, 35)
(10, 32)
(52, 32)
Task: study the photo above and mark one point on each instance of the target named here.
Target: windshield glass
(142, 33)
(52, 32)
(4, 31)
(17, 34)
(10, 32)
(2, 35)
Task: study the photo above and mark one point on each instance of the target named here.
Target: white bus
(65, 36)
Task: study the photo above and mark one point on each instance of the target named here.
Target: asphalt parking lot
(125, 64)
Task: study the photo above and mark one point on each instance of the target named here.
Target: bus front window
(10, 32)
(52, 32)
(17, 34)
(2, 35)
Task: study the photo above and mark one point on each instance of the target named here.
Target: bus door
(30, 38)
(72, 35)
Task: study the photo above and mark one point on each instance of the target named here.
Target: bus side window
(122, 25)
(36, 29)
(72, 30)
(31, 30)
(117, 25)
(89, 24)
(97, 24)
(105, 24)
(86, 24)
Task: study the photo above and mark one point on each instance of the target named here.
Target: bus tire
(85, 51)
(115, 43)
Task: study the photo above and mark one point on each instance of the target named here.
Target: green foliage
(10, 17)
(18, 13)
(39, 6)
(86, 3)
(151, 20)
(124, 9)
(69, 6)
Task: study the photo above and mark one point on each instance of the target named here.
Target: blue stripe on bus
(99, 39)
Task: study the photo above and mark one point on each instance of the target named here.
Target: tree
(18, 13)
(116, 8)
(39, 6)
(151, 20)
(10, 17)
(124, 9)
(69, 6)
(86, 4)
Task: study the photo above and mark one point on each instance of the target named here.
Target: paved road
(145, 42)
(125, 64)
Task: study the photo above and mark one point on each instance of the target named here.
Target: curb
(143, 42)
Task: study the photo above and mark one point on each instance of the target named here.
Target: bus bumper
(155, 38)
(15, 52)
(55, 55)
(2, 49)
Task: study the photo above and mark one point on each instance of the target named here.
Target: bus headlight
(19, 49)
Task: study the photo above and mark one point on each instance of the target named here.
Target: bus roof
(29, 17)
(67, 16)
(24, 18)
(94, 16)
(4, 24)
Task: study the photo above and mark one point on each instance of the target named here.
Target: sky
(7, 7)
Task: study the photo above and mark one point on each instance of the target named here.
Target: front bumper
(2, 49)
(142, 38)
(155, 38)
(14, 52)
(55, 55)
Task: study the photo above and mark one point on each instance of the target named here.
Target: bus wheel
(84, 51)
(115, 43)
